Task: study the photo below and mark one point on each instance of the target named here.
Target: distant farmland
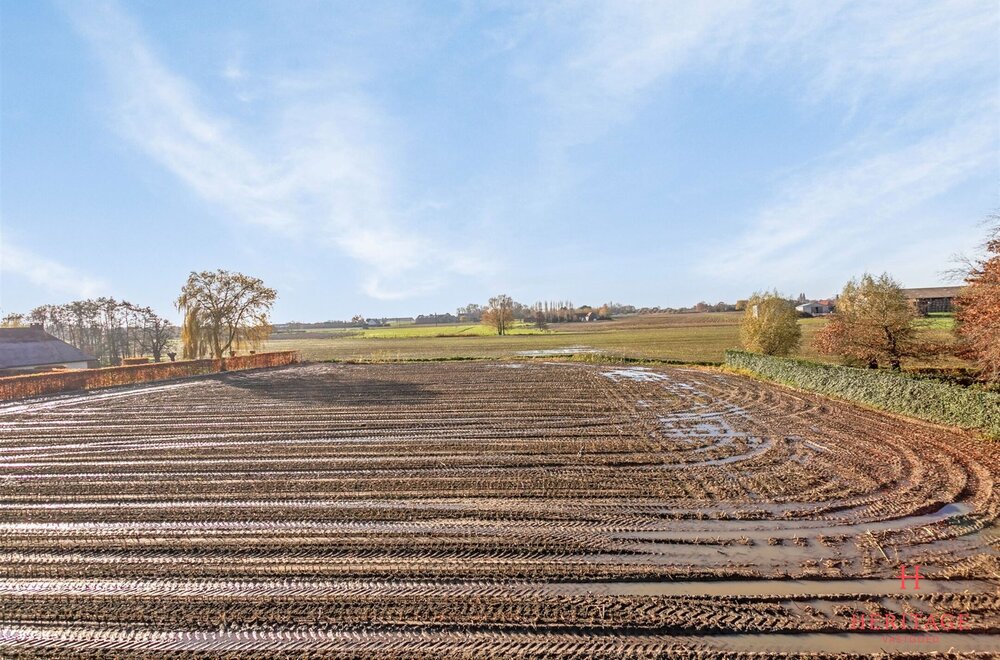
(677, 337)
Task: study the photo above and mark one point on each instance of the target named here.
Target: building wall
(928, 305)
(63, 365)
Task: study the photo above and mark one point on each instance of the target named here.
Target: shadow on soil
(332, 390)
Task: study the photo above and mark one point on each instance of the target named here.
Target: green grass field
(467, 330)
(684, 337)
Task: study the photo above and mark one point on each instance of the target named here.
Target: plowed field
(489, 509)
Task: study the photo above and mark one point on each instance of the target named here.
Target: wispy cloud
(321, 167)
(595, 64)
(844, 210)
(318, 174)
(48, 274)
(592, 63)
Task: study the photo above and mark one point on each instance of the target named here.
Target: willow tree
(770, 325)
(223, 312)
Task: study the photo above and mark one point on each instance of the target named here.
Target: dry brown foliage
(978, 315)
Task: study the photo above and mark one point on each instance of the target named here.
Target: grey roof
(933, 292)
(30, 347)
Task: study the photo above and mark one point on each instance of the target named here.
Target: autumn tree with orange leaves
(978, 308)
(873, 323)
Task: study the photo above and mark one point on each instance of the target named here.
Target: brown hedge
(19, 387)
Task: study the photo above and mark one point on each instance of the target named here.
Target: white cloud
(859, 50)
(608, 55)
(324, 171)
(922, 77)
(320, 175)
(233, 72)
(841, 210)
(48, 274)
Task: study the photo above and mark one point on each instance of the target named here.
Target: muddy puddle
(304, 587)
(757, 530)
(494, 644)
(639, 374)
(875, 642)
(566, 350)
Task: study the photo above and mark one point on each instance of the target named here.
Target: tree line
(502, 311)
(223, 312)
(873, 323)
(111, 330)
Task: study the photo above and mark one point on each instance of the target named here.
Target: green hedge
(924, 398)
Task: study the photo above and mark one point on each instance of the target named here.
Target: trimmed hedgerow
(924, 398)
(19, 387)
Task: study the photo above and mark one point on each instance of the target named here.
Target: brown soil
(488, 509)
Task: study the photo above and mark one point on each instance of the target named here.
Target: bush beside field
(923, 398)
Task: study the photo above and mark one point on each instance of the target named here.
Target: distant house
(934, 298)
(33, 349)
(815, 307)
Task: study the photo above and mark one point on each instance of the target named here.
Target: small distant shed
(814, 307)
(33, 349)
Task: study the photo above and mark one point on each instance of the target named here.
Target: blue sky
(397, 158)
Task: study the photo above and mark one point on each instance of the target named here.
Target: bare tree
(156, 334)
(12, 320)
(108, 329)
(499, 313)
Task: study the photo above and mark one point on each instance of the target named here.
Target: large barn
(33, 349)
(934, 298)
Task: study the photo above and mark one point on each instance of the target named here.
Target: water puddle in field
(237, 527)
(566, 350)
(638, 374)
(389, 642)
(757, 530)
(765, 588)
(756, 447)
(306, 587)
(259, 505)
(719, 431)
(869, 643)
